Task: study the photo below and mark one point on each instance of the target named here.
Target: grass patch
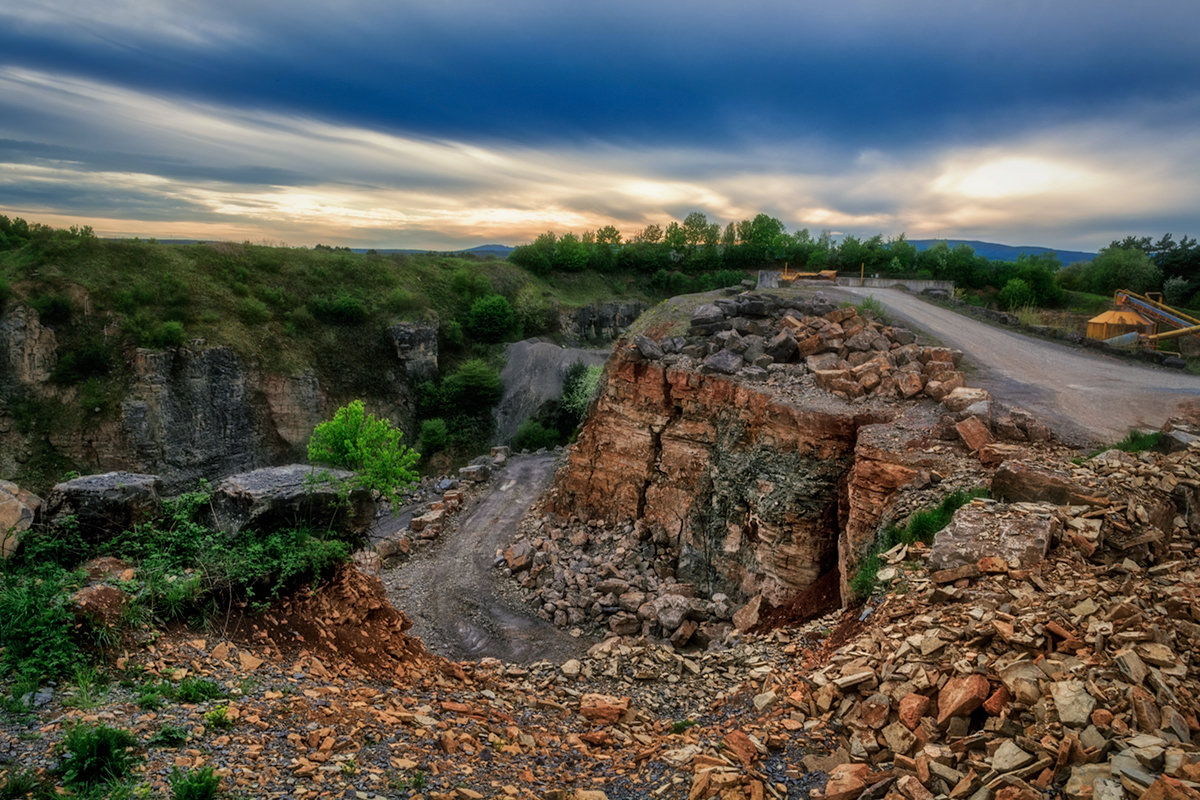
(197, 784)
(1134, 442)
(183, 571)
(921, 527)
(96, 756)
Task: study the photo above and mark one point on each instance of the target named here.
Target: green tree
(472, 388)
(1016, 294)
(571, 254)
(491, 319)
(533, 310)
(367, 445)
(1120, 268)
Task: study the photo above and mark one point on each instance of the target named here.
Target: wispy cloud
(460, 122)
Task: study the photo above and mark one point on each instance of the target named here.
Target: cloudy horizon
(1062, 124)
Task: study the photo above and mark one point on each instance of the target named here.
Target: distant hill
(1006, 252)
(498, 250)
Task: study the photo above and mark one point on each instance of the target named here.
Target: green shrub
(342, 309)
(90, 358)
(53, 309)
(197, 690)
(532, 435)
(473, 388)
(491, 319)
(434, 436)
(169, 736)
(5, 291)
(534, 312)
(170, 334)
(253, 311)
(200, 784)
(95, 756)
(371, 447)
(36, 623)
(452, 334)
(1015, 294)
(579, 387)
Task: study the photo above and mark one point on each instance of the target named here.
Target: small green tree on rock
(370, 447)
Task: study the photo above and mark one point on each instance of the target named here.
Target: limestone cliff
(184, 413)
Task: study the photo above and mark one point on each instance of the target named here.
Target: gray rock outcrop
(292, 496)
(106, 504)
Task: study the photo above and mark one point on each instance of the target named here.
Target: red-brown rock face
(744, 484)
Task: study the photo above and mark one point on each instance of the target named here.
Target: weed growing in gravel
(91, 687)
(922, 526)
(416, 781)
(218, 718)
(169, 735)
(22, 784)
(200, 784)
(197, 690)
(96, 756)
(679, 726)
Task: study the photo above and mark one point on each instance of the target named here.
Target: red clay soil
(817, 600)
(347, 622)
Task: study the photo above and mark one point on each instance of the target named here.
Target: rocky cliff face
(187, 413)
(744, 485)
(759, 468)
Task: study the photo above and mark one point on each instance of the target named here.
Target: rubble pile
(601, 579)
(848, 354)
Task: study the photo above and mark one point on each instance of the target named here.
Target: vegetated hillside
(199, 358)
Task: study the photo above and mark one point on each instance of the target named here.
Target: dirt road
(449, 590)
(1086, 397)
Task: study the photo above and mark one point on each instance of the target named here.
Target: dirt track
(449, 590)
(1086, 397)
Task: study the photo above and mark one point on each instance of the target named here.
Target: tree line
(682, 255)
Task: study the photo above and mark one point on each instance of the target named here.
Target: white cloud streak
(353, 185)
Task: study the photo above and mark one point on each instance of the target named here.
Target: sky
(448, 124)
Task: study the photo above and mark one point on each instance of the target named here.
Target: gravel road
(450, 592)
(1086, 397)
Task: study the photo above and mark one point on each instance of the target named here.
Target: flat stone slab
(296, 495)
(1020, 538)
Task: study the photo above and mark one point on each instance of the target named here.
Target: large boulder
(104, 505)
(18, 509)
(295, 495)
(1020, 539)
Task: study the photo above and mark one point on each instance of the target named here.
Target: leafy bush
(534, 313)
(342, 309)
(532, 435)
(200, 784)
(169, 334)
(169, 736)
(253, 311)
(473, 388)
(579, 387)
(491, 319)
(1015, 294)
(53, 309)
(434, 435)
(36, 623)
(197, 690)
(94, 756)
(1176, 290)
(371, 447)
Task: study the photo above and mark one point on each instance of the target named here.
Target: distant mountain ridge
(1006, 252)
(991, 250)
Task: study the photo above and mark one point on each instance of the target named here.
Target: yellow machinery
(1135, 319)
(824, 275)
